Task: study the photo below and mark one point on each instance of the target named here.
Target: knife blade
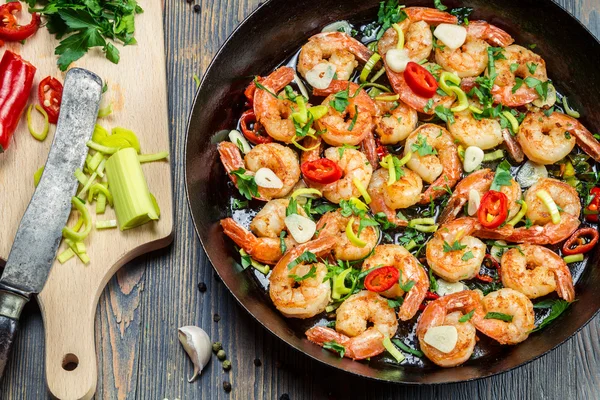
(40, 231)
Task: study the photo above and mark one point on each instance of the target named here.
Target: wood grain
(139, 354)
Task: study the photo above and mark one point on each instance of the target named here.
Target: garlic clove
(397, 59)
(453, 36)
(474, 202)
(266, 178)
(240, 141)
(301, 228)
(321, 75)
(445, 288)
(473, 158)
(197, 345)
(442, 337)
(338, 26)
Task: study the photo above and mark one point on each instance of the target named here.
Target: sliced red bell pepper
(322, 171)
(582, 241)
(50, 97)
(382, 279)
(591, 211)
(420, 80)
(255, 134)
(9, 30)
(493, 209)
(16, 80)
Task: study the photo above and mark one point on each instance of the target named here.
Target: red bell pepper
(321, 171)
(493, 209)
(50, 97)
(9, 30)
(16, 80)
(420, 80)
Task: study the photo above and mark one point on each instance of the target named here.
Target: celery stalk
(131, 197)
(65, 256)
(94, 161)
(100, 203)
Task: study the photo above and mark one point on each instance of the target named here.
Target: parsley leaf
(514, 67)
(335, 346)
(344, 147)
(433, 285)
(438, 4)
(305, 257)
(532, 67)
(444, 114)
(364, 222)
(239, 204)
(393, 303)
(456, 246)
(462, 14)
(292, 207)
(467, 256)
(353, 122)
(429, 104)
(557, 307)
(282, 245)
(406, 286)
(310, 274)
(383, 221)
(340, 100)
(498, 315)
(422, 147)
(502, 176)
(245, 183)
(466, 317)
(390, 12)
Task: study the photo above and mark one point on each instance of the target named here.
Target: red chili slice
(9, 30)
(322, 171)
(431, 296)
(382, 279)
(493, 209)
(484, 278)
(50, 97)
(420, 80)
(581, 241)
(255, 134)
(591, 211)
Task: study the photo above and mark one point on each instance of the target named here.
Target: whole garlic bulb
(197, 345)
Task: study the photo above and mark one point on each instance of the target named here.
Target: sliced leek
(355, 240)
(364, 74)
(363, 192)
(44, 133)
(72, 234)
(520, 214)
(108, 224)
(393, 350)
(144, 158)
(548, 201)
(37, 176)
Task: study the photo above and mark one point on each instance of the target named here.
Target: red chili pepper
(423, 306)
(16, 80)
(581, 241)
(432, 296)
(249, 92)
(420, 80)
(50, 97)
(255, 135)
(493, 209)
(9, 30)
(382, 279)
(591, 211)
(322, 171)
(484, 278)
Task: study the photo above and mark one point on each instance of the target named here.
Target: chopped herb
(462, 14)
(310, 274)
(514, 67)
(467, 256)
(429, 104)
(518, 84)
(407, 285)
(437, 44)
(344, 147)
(549, 111)
(532, 67)
(364, 222)
(433, 285)
(245, 183)
(438, 4)
(292, 207)
(383, 221)
(532, 46)
(262, 87)
(528, 223)
(390, 12)
(422, 147)
(322, 208)
(499, 316)
(567, 135)
(393, 303)
(353, 122)
(406, 348)
(282, 245)
(456, 246)
(444, 114)
(502, 176)
(557, 307)
(466, 317)
(305, 257)
(239, 204)
(302, 131)
(348, 208)
(340, 100)
(335, 346)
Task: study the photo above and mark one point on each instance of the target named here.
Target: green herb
(528, 223)
(344, 147)
(433, 69)
(532, 67)
(407, 285)
(389, 13)
(393, 303)
(331, 324)
(433, 285)
(540, 87)
(429, 104)
(514, 67)
(407, 349)
(486, 288)
(456, 246)
(437, 44)
(532, 46)
(322, 208)
(466, 317)
(467, 256)
(518, 84)
(557, 307)
(567, 135)
(302, 131)
(292, 207)
(306, 257)
(462, 14)
(499, 316)
(340, 100)
(245, 183)
(282, 245)
(383, 221)
(444, 114)
(310, 274)
(262, 87)
(239, 204)
(422, 147)
(438, 4)
(335, 346)
(364, 222)
(353, 122)
(502, 176)
(347, 208)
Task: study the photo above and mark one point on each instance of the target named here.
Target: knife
(40, 231)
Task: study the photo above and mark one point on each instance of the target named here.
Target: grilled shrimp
(363, 321)
(354, 123)
(272, 111)
(269, 221)
(334, 224)
(546, 140)
(439, 165)
(563, 194)
(354, 165)
(464, 261)
(282, 160)
(509, 302)
(528, 64)
(335, 48)
(403, 193)
(308, 297)
(398, 257)
(485, 133)
(471, 58)
(396, 122)
(536, 271)
(447, 311)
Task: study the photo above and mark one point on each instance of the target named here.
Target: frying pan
(272, 34)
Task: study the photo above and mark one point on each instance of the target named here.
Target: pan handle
(11, 305)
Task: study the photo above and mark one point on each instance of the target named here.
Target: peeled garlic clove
(474, 202)
(452, 36)
(321, 75)
(445, 288)
(397, 59)
(442, 337)
(301, 228)
(197, 345)
(240, 141)
(473, 158)
(266, 178)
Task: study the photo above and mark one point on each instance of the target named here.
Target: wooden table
(136, 327)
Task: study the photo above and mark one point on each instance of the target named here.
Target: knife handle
(11, 305)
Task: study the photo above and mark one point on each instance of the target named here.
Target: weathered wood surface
(140, 310)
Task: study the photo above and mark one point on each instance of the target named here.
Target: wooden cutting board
(137, 88)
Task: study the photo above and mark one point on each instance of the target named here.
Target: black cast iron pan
(272, 34)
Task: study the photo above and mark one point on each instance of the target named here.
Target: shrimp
(453, 253)
(447, 311)
(439, 165)
(528, 64)
(335, 48)
(398, 257)
(397, 121)
(403, 193)
(563, 194)
(471, 58)
(354, 165)
(308, 297)
(269, 221)
(369, 148)
(485, 133)
(282, 160)
(272, 111)
(334, 224)
(266, 250)
(363, 321)
(546, 140)
(536, 271)
(510, 302)
(316, 146)
(354, 123)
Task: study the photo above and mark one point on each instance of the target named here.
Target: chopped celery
(105, 111)
(78, 224)
(99, 188)
(66, 256)
(37, 176)
(80, 247)
(155, 204)
(81, 177)
(153, 157)
(132, 200)
(87, 185)
(94, 161)
(103, 149)
(99, 134)
(82, 256)
(100, 203)
(100, 169)
(111, 223)
(128, 135)
(73, 235)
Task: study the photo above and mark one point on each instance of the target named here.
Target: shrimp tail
(369, 148)
(316, 144)
(514, 148)
(490, 33)
(587, 141)
(378, 205)
(480, 181)
(265, 250)
(440, 186)
(414, 298)
(430, 15)
(231, 158)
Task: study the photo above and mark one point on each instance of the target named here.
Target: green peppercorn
(221, 354)
(226, 365)
(217, 346)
